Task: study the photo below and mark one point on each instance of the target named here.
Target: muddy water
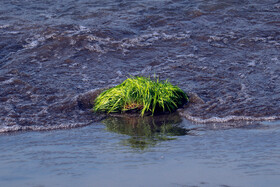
(54, 56)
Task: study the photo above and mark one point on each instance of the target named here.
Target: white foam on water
(252, 63)
(4, 26)
(99, 44)
(258, 39)
(15, 128)
(62, 108)
(9, 81)
(229, 118)
(125, 44)
(32, 44)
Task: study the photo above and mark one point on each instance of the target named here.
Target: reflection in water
(146, 131)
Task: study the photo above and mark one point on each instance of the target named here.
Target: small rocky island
(143, 95)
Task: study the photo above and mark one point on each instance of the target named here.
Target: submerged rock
(86, 100)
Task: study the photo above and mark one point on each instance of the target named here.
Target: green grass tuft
(141, 94)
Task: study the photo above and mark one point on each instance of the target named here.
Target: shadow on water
(146, 131)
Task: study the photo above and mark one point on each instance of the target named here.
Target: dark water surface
(54, 55)
(225, 51)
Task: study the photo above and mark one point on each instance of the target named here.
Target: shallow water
(94, 156)
(54, 56)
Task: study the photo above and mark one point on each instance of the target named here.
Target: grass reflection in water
(146, 131)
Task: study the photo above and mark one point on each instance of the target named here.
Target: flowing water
(55, 55)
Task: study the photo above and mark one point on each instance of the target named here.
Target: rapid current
(54, 55)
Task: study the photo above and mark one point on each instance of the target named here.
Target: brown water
(55, 55)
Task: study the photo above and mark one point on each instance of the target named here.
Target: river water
(55, 55)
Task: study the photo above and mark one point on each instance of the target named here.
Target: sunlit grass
(143, 94)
